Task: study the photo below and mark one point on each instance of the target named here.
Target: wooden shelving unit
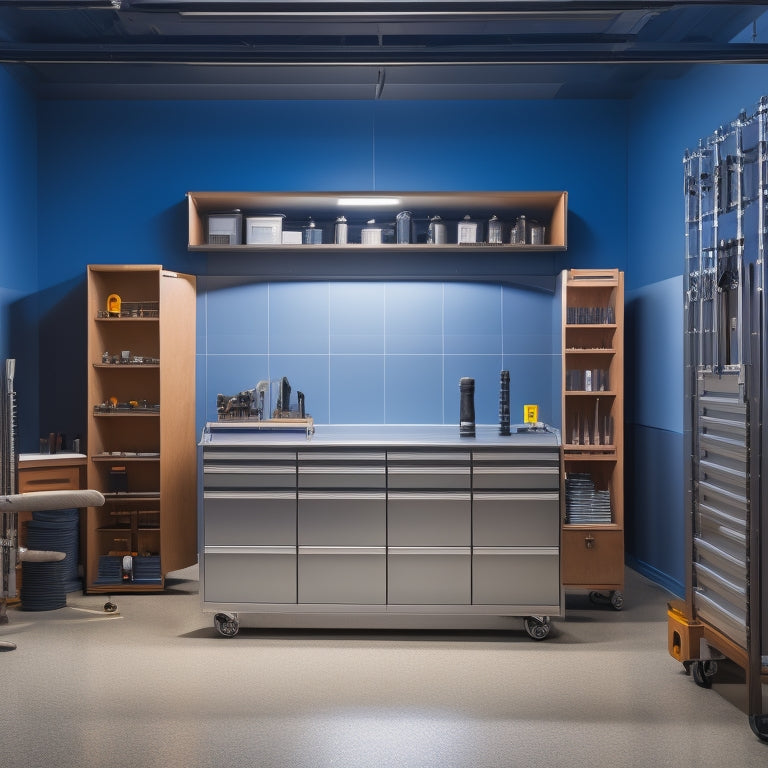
(547, 208)
(593, 432)
(141, 427)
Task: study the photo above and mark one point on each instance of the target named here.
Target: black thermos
(467, 407)
(504, 404)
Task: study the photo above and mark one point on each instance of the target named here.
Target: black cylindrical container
(504, 404)
(467, 407)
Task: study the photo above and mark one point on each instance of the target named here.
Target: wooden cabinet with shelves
(593, 431)
(141, 428)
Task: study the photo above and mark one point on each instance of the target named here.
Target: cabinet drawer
(343, 575)
(429, 477)
(516, 477)
(49, 479)
(249, 575)
(593, 557)
(248, 476)
(516, 519)
(342, 478)
(516, 576)
(429, 519)
(354, 470)
(342, 519)
(250, 518)
(429, 575)
(428, 470)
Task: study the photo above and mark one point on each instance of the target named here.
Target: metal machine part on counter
(467, 407)
(267, 401)
(504, 404)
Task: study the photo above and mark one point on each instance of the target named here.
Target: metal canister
(519, 234)
(340, 231)
(466, 232)
(537, 233)
(370, 234)
(310, 235)
(404, 227)
(436, 232)
(494, 230)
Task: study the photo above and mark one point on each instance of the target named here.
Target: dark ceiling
(358, 49)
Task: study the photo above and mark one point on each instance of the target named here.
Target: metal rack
(726, 365)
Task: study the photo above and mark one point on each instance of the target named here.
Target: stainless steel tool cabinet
(726, 199)
(378, 526)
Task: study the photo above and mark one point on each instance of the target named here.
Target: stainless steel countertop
(384, 435)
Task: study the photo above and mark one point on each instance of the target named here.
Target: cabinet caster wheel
(226, 625)
(537, 627)
(615, 599)
(703, 672)
(759, 726)
(110, 607)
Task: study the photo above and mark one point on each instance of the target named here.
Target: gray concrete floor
(155, 685)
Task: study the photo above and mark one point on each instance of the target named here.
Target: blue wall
(18, 244)
(128, 206)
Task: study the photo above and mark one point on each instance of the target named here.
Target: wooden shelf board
(589, 351)
(582, 393)
(287, 248)
(590, 326)
(110, 458)
(589, 453)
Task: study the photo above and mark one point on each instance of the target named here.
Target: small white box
(263, 230)
(291, 238)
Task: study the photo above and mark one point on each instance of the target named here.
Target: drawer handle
(589, 541)
(49, 481)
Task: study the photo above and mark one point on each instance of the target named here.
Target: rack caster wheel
(537, 627)
(617, 600)
(703, 672)
(759, 726)
(110, 607)
(7, 645)
(226, 625)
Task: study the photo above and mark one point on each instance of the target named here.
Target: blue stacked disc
(42, 587)
(146, 570)
(110, 570)
(59, 531)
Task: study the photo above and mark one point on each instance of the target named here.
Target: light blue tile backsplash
(413, 389)
(376, 352)
(413, 320)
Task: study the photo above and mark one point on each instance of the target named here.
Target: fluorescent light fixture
(369, 201)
